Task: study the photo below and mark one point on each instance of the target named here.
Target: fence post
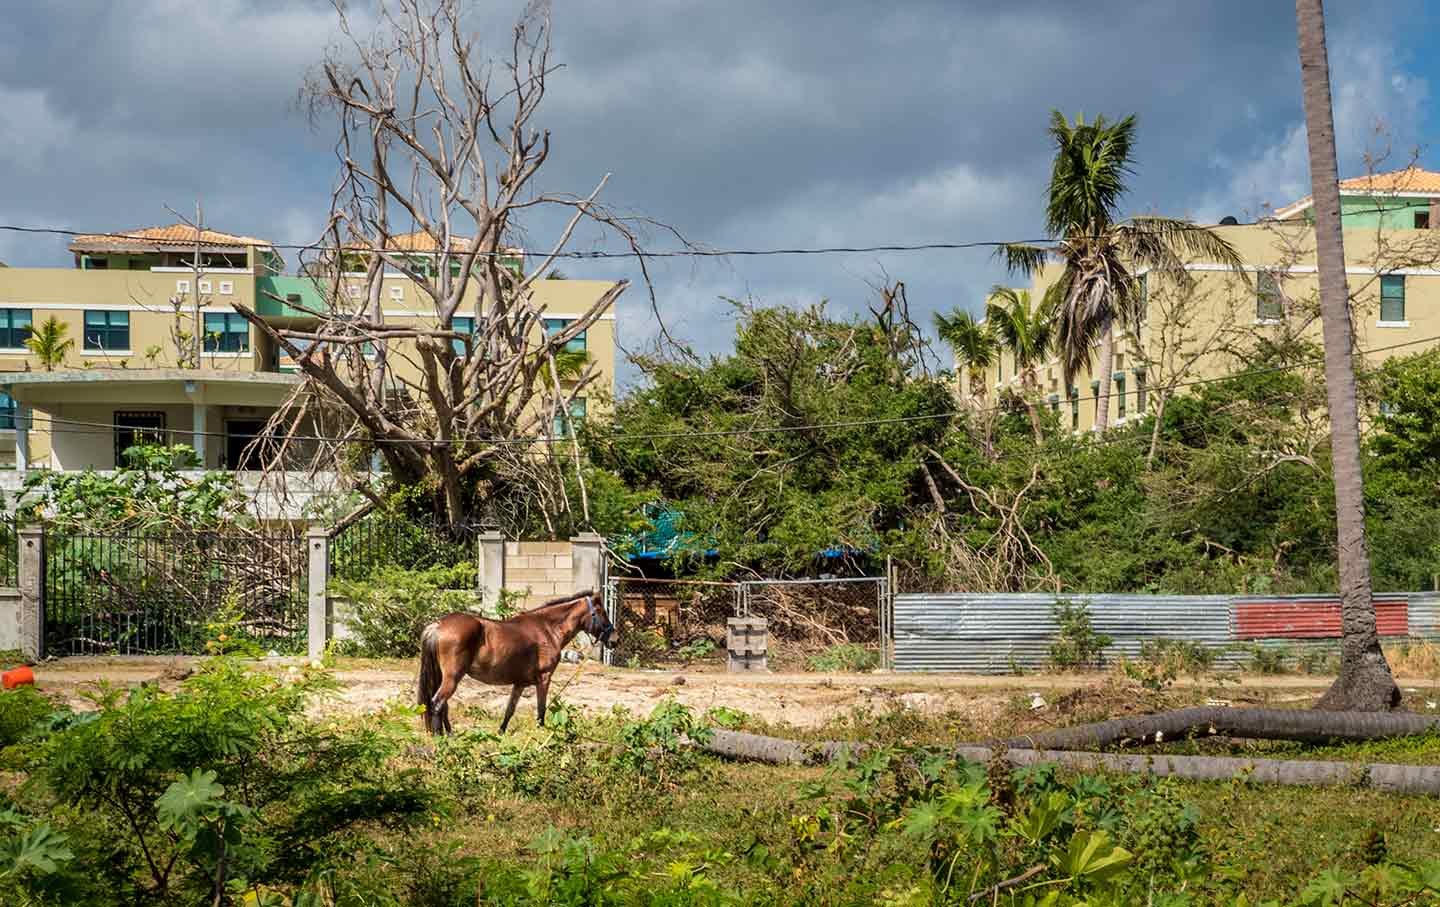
(317, 546)
(586, 550)
(27, 633)
(490, 572)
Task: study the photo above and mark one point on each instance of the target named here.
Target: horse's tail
(430, 673)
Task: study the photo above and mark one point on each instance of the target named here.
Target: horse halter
(594, 629)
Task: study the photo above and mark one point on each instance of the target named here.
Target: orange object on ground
(18, 677)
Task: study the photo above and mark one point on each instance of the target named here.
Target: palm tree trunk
(1032, 392)
(1107, 367)
(1365, 682)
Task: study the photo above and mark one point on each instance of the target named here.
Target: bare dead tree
(440, 157)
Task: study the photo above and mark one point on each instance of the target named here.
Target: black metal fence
(382, 539)
(170, 593)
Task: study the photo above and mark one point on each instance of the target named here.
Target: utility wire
(602, 254)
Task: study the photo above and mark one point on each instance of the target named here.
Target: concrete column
(199, 426)
(490, 563)
(586, 550)
(30, 577)
(22, 437)
(317, 545)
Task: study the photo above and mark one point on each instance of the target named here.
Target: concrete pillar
(30, 577)
(22, 437)
(199, 427)
(317, 546)
(586, 551)
(490, 564)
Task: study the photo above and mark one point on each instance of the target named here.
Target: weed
(849, 658)
(1076, 644)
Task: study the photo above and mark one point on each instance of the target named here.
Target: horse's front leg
(515, 692)
(542, 690)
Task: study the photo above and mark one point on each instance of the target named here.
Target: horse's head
(598, 622)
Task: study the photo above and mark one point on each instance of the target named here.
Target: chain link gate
(808, 614)
(655, 617)
(816, 614)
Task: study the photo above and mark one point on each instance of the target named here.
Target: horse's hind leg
(440, 703)
(542, 690)
(515, 692)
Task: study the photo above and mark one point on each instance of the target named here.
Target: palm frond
(1092, 161)
(1171, 239)
(1023, 259)
(970, 338)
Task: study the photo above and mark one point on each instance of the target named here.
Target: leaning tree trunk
(1365, 681)
(1107, 366)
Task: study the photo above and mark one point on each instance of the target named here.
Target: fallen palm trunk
(1302, 725)
(1400, 779)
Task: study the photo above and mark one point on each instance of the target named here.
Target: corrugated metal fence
(1000, 633)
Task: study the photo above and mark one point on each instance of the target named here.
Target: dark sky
(744, 124)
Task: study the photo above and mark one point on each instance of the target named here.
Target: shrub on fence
(388, 610)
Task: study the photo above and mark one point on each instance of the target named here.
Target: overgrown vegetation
(226, 791)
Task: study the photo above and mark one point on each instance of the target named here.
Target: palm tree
(49, 343)
(1100, 252)
(1365, 682)
(974, 345)
(1026, 331)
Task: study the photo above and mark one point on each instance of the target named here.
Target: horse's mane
(565, 599)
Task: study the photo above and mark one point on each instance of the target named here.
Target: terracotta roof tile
(174, 234)
(1411, 179)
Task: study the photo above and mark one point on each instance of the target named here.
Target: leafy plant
(388, 610)
(49, 343)
(1076, 644)
(850, 658)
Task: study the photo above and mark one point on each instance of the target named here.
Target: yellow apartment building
(122, 378)
(1392, 248)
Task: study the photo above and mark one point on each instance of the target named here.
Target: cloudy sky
(744, 124)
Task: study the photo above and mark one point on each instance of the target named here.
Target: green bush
(215, 788)
(1076, 644)
(22, 711)
(849, 658)
(389, 608)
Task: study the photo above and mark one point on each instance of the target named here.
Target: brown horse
(518, 652)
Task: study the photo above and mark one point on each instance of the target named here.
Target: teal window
(1054, 403)
(1392, 297)
(1120, 395)
(14, 328)
(566, 424)
(1268, 305)
(1074, 408)
(462, 325)
(1095, 396)
(1140, 395)
(554, 326)
(7, 411)
(106, 331)
(226, 332)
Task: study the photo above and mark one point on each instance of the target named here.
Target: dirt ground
(801, 700)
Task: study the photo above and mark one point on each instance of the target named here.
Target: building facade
(1206, 327)
(129, 308)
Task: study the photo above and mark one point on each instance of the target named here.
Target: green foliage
(1408, 425)
(218, 783)
(776, 500)
(49, 343)
(850, 658)
(23, 711)
(388, 610)
(1163, 660)
(149, 491)
(1076, 644)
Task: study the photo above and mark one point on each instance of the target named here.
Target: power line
(604, 254)
(82, 426)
